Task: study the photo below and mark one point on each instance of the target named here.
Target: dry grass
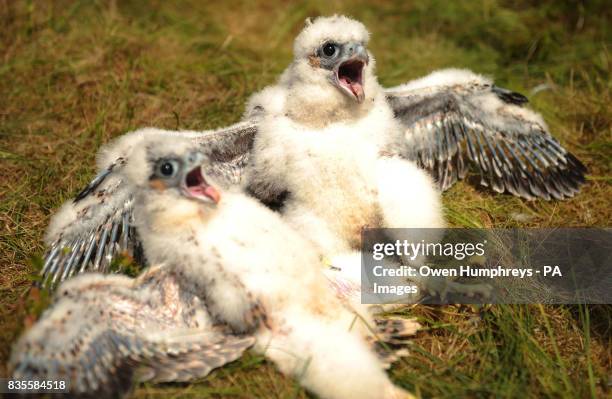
(75, 74)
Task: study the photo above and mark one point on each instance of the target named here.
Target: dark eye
(167, 168)
(329, 49)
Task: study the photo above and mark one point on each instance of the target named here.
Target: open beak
(349, 75)
(195, 186)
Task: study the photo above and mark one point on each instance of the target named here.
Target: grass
(75, 74)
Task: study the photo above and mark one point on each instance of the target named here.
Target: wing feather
(88, 232)
(455, 113)
(104, 332)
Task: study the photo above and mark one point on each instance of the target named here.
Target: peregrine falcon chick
(328, 141)
(252, 271)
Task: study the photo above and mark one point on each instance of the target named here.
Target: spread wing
(455, 118)
(87, 232)
(104, 332)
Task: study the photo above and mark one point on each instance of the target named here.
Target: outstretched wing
(87, 232)
(451, 116)
(105, 332)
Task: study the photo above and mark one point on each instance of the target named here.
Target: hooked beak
(195, 186)
(349, 73)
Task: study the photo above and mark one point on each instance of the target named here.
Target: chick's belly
(349, 220)
(346, 204)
